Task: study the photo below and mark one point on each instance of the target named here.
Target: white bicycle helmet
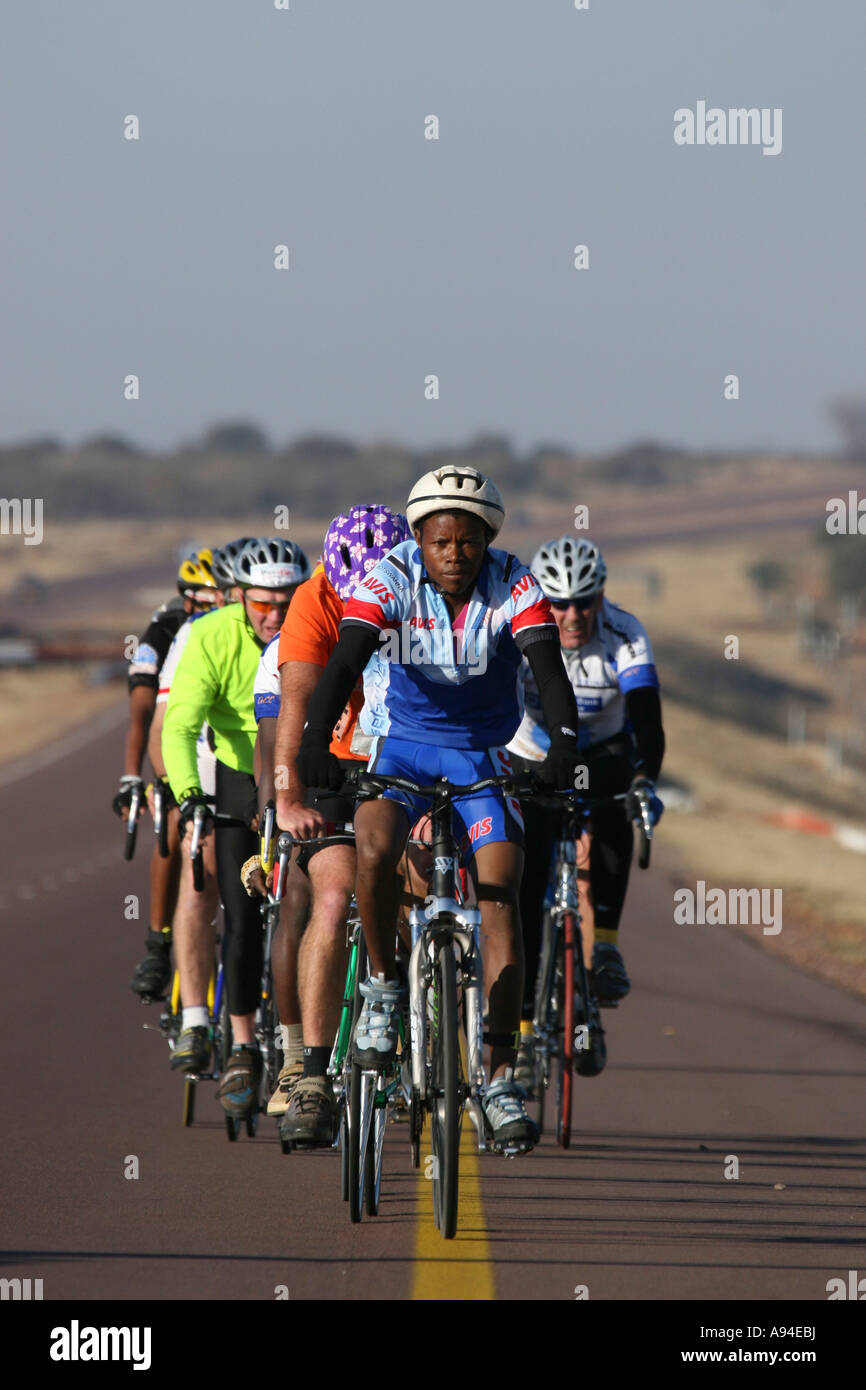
(569, 568)
(456, 489)
(271, 563)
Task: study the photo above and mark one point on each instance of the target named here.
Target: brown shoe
(239, 1084)
(290, 1075)
(311, 1119)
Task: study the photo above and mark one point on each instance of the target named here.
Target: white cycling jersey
(203, 752)
(617, 658)
(266, 697)
(266, 687)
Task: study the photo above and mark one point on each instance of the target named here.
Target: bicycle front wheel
(355, 1165)
(373, 1161)
(566, 1041)
(445, 1115)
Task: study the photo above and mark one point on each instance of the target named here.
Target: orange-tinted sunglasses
(263, 606)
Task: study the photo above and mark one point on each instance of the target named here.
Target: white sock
(196, 1017)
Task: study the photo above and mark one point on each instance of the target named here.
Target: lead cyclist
(442, 621)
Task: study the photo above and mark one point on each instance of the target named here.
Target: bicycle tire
(566, 1040)
(542, 1081)
(344, 1156)
(270, 1062)
(588, 1061)
(224, 1052)
(353, 1101)
(373, 1161)
(445, 1115)
(188, 1102)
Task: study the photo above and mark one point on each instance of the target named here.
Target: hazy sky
(410, 256)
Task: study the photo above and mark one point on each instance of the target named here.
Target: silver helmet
(569, 568)
(223, 561)
(270, 562)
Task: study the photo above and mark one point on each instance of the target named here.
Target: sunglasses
(581, 604)
(264, 606)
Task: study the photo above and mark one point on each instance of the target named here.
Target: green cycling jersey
(213, 684)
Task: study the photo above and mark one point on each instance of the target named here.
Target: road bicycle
(567, 1024)
(169, 1026)
(362, 1096)
(445, 997)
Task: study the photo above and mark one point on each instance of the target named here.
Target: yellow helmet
(196, 572)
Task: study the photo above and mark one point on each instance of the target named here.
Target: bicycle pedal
(512, 1150)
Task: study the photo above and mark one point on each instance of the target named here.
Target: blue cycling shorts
(487, 818)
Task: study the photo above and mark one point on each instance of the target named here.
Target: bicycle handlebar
(160, 818)
(198, 819)
(267, 838)
(639, 812)
(132, 823)
(516, 784)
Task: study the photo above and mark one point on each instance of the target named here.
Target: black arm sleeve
(644, 709)
(353, 650)
(554, 687)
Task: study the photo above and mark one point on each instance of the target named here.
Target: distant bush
(769, 576)
(236, 437)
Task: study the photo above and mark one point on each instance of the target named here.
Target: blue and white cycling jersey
(617, 658)
(434, 681)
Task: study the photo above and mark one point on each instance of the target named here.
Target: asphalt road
(720, 1052)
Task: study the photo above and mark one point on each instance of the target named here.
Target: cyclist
(443, 702)
(197, 593)
(325, 874)
(610, 664)
(213, 683)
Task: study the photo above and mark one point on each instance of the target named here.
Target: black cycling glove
(189, 801)
(123, 800)
(558, 769)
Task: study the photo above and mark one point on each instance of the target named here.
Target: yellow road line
(460, 1268)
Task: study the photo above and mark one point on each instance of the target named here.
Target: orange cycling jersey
(309, 633)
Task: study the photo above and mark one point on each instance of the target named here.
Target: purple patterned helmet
(356, 542)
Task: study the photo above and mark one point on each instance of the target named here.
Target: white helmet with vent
(569, 568)
(456, 489)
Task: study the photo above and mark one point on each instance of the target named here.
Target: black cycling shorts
(337, 809)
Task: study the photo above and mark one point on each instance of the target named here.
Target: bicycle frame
(444, 912)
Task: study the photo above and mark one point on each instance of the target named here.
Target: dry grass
(35, 712)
